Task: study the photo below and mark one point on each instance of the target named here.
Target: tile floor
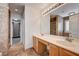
(17, 50)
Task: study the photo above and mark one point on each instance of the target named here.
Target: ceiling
(66, 9)
(18, 6)
(40, 6)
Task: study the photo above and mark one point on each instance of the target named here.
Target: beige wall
(35, 23)
(74, 25)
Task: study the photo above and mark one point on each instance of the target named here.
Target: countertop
(61, 42)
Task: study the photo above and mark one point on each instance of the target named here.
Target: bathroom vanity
(55, 45)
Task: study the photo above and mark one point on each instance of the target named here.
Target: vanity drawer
(53, 50)
(35, 44)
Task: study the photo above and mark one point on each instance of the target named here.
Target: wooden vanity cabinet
(64, 52)
(35, 42)
(53, 50)
(41, 46)
(58, 51)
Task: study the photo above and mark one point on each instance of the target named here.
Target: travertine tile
(17, 50)
(4, 28)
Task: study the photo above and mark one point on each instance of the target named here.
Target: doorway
(16, 32)
(16, 23)
(53, 24)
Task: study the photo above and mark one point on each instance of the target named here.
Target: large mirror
(64, 21)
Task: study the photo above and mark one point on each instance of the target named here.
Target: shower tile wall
(4, 26)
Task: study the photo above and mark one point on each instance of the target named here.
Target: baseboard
(28, 46)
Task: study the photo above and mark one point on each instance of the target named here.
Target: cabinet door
(64, 52)
(35, 43)
(42, 48)
(53, 50)
(38, 46)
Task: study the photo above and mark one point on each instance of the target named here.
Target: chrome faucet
(69, 39)
(42, 34)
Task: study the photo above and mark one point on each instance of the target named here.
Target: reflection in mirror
(64, 21)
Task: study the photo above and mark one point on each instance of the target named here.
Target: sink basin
(62, 41)
(70, 39)
(65, 43)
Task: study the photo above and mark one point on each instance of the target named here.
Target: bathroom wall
(73, 26)
(4, 28)
(45, 24)
(35, 23)
(22, 29)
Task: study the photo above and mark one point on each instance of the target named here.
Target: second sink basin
(65, 43)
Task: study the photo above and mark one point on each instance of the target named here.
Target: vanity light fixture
(52, 8)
